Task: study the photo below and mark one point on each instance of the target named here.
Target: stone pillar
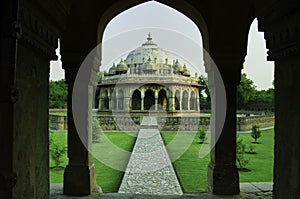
(24, 103)
(79, 175)
(142, 99)
(127, 104)
(117, 100)
(101, 102)
(171, 99)
(109, 101)
(222, 172)
(197, 103)
(188, 102)
(156, 100)
(281, 27)
(180, 100)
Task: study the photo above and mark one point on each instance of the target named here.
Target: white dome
(149, 50)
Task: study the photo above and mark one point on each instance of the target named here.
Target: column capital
(281, 28)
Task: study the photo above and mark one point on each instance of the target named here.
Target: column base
(79, 180)
(223, 179)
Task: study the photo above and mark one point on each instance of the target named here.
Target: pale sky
(176, 33)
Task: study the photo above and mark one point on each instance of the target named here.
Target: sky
(176, 33)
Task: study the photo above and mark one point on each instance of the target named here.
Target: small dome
(186, 72)
(112, 70)
(122, 66)
(178, 67)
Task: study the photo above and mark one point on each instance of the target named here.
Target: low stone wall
(125, 123)
(58, 122)
(245, 123)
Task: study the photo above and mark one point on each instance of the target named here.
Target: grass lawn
(108, 178)
(191, 170)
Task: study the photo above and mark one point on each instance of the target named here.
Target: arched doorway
(185, 99)
(162, 100)
(105, 100)
(193, 102)
(136, 100)
(149, 100)
(177, 100)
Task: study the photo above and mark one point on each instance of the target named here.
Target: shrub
(57, 153)
(202, 136)
(251, 149)
(240, 154)
(255, 133)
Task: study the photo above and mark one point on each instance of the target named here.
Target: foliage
(58, 93)
(204, 98)
(202, 136)
(240, 153)
(250, 149)
(245, 90)
(255, 133)
(95, 131)
(247, 94)
(57, 153)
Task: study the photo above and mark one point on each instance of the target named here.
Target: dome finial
(149, 38)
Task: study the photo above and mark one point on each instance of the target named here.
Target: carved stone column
(79, 175)
(156, 100)
(222, 172)
(27, 44)
(110, 105)
(189, 99)
(142, 99)
(171, 99)
(281, 27)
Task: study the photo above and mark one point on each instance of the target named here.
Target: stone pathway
(149, 170)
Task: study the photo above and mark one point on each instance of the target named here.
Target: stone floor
(255, 190)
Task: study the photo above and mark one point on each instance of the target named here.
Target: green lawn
(109, 179)
(191, 169)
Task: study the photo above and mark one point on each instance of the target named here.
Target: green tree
(58, 93)
(245, 91)
(255, 133)
(202, 136)
(204, 99)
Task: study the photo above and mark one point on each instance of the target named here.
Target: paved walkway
(150, 170)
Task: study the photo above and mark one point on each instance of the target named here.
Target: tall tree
(58, 94)
(245, 91)
(204, 98)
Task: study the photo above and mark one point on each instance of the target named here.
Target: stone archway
(177, 100)
(185, 98)
(193, 102)
(105, 100)
(162, 100)
(136, 100)
(149, 100)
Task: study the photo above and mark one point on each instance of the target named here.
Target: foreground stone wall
(126, 123)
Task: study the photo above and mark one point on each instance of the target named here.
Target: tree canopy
(58, 93)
